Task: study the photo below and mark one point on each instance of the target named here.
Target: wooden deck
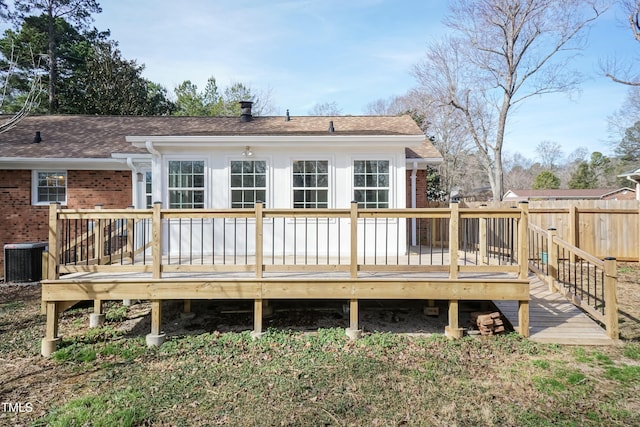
(555, 320)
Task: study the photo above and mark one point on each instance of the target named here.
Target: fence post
(611, 297)
(454, 220)
(552, 259)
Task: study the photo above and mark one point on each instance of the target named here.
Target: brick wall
(21, 222)
(421, 189)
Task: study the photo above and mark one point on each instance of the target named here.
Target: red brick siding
(23, 222)
(421, 189)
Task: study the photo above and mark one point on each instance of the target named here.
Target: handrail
(587, 281)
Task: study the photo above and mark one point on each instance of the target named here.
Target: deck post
(51, 338)
(454, 220)
(186, 310)
(523, 318)
(453, 330)
(610, 297)
(156, 240)
(352, 331)
(354, 240)
(482, 238)
(156, 337)
(257, 319)
(552, 260)
(96, 319)
(54, 242)
(523, 240)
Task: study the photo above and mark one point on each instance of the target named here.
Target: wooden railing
(449, 240)
(588, 282)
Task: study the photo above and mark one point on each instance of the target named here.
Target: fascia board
(275, 141)
(62, 163)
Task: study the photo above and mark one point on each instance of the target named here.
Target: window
(50, 186)
(371, 183)
(147, 189)
(310, 183)
(248, 183)
(186, 184)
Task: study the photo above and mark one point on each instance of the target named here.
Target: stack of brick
(488, 323)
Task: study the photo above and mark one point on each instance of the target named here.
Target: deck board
(554, 320)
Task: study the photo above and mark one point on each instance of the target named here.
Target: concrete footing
(126, 302)
(353, 334)
(96, 320)
(48, 346)
(256, 335)
(453, 332)
(155, 340)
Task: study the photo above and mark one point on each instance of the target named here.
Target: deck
(555, 320)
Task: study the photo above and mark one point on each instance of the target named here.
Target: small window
(371, 183)
(248, 183)
(310, 184)
(186, 184)
(148, 189)
(50, 186)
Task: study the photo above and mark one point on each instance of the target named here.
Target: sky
(351, 52)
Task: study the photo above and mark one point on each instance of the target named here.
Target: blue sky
(350, 52)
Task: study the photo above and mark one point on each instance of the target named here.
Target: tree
(546, 180)
(584, 177)
(628, 150)
(325, 109)
(617, 72)
(503, 52)
(74, 11)
(108, 84)
(550, 154)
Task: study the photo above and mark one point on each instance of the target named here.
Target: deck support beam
(257, 319)
(96, 319)
(353, 332)
(523, 318)
(156, 337)
(51, 338)
(453, 330)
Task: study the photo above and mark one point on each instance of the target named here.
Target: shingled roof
(77, 136)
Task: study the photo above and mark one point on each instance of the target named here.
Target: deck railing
(449, 240)
(590, 283)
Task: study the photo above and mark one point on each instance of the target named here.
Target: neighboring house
(624, 193)
(633, 176)
(207, 162)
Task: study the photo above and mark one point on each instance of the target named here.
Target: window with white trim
(148, 185)
(248, 183)
(186, 184)
(49, 186)
(310, 183)
(371, 183)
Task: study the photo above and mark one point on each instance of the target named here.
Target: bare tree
(325, 109)
(504, 52)
(550, 154)
(616, 71)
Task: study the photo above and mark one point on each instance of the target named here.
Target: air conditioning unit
(23, 261)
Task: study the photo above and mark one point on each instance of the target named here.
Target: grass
(106, 377)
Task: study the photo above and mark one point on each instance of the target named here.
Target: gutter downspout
(156, 172)
(135, 185)
(414, 190)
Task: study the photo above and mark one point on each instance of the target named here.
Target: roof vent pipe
(245, 111)
(331, 128)
(287, 117)
(37, 138)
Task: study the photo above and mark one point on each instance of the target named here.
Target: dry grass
(108, 377)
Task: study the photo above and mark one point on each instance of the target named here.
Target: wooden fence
(602, 228)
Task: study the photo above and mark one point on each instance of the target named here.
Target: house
(207, 162)
(623, 193)
(634, 177)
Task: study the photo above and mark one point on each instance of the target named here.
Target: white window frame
(204, 187)
(366, 187)
(35, 193)
(254, 188)
(316, 188)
